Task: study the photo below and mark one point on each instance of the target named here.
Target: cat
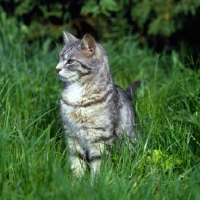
(94, 111)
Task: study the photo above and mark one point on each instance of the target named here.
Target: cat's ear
(68, 37)
(88, 43)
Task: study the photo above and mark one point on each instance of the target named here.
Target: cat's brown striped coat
(94, 110)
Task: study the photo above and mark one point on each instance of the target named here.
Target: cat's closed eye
(70, 61)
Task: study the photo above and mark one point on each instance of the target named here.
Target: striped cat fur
(94, 110)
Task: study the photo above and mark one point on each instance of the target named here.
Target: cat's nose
(58, 70)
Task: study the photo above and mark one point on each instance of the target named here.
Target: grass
(33, 158)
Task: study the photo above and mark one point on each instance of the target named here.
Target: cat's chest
(87, 115)
(72, 105)
(77, 117)
(80, 110)
(73, 113)
(72, 93)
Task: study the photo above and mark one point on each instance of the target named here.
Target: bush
(104, 18)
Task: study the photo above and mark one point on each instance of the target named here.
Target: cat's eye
(70, 61)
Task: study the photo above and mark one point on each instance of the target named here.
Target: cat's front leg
(78, 166)
(94, 154)
(76, 157)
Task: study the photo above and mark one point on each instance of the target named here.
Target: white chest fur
(71, 114)
(73, 93)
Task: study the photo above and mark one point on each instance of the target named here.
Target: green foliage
(163, 17)
(39, 19)
(108, 18)
(33, 159)
(104, 7)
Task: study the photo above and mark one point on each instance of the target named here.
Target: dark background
(158, 24)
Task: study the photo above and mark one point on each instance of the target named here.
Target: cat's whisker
(91, 82)
(58, 50)
(57, 46)
(73, 80)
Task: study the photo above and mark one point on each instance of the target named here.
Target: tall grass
(33, 159)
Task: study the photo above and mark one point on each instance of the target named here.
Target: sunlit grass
(33, 158)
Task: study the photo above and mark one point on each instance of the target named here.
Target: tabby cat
(94, 110)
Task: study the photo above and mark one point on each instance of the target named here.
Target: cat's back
(126, 117)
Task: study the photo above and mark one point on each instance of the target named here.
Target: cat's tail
(130, 91)
(132, 88)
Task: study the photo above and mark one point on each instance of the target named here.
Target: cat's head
(79, 58)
